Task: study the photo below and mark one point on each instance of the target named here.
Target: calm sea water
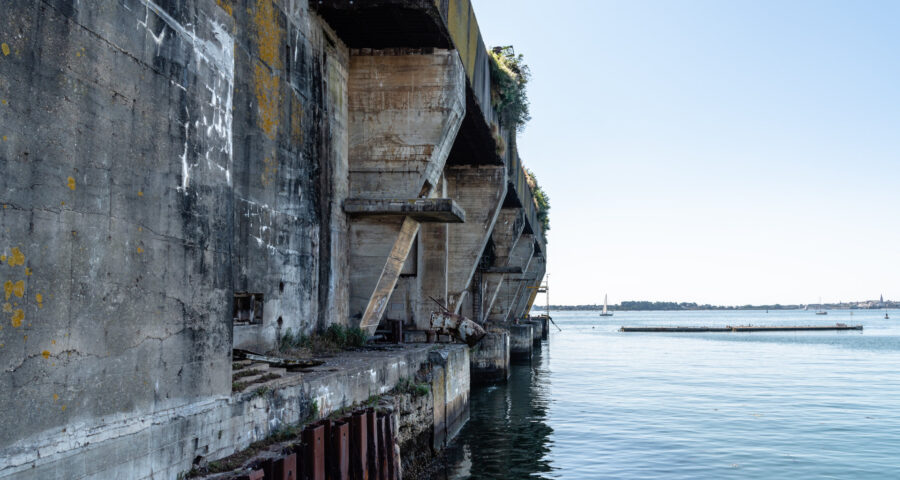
(597, 403)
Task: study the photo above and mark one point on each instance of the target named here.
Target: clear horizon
(713, 152)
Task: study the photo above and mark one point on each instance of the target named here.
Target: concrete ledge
(163, 445)
(517, 269)
(424, 210)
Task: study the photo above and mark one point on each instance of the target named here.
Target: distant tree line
(647, 305)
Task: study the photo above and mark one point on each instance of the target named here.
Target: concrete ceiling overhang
(380, 24)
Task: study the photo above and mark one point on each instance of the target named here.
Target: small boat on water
(605, 313)
(821, 310)
(886, 317)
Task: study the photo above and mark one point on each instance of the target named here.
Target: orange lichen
(5, 48)
(45, 354)
(225, 5)
(19, 288)
(268, 95)
(8, 288)
(71, 183)
(17, 257)
(265, 81)
(17, 318)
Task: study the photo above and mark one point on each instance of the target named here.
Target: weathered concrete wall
(405, 108)
(157, 159)
(508, 293)
(164, 445)
(290, 175)
(480, 191)
(116, 156)
(450, 387)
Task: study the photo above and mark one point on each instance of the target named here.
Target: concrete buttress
(507, 231)
(528, 289)
(504, 300)
(480, 191)
(405, 108)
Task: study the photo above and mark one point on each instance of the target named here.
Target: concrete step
(258, 377)
(240, 364)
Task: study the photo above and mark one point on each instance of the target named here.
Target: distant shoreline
(687, 306)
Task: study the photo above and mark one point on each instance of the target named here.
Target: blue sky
(727, 152)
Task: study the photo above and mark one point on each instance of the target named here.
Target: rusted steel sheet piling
(338, 453)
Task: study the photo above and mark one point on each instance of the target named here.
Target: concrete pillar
(404, 111)
(480, 191)
(520, 342)
(432, 272)
(537, 331)
(490, 358)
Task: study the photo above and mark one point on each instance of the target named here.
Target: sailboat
(605, 313)
(821, 311)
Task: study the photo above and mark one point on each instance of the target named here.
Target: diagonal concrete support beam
(505, 237)
(508, 291)
(384, 287)
(405, 109)
(480, 191)
(527, 290)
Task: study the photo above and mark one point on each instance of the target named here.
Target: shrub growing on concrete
(509, 77)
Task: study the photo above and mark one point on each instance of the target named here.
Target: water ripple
(597, 403)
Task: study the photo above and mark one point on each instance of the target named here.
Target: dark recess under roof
(385, 24)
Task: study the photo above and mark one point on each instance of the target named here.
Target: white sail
(604, 304)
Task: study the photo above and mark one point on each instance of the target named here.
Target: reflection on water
(777, 405)
(506, 436)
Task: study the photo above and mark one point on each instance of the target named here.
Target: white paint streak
(185, 169)
(217, 53)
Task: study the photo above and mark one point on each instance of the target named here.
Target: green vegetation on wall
(509, 77)
(541, 201)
